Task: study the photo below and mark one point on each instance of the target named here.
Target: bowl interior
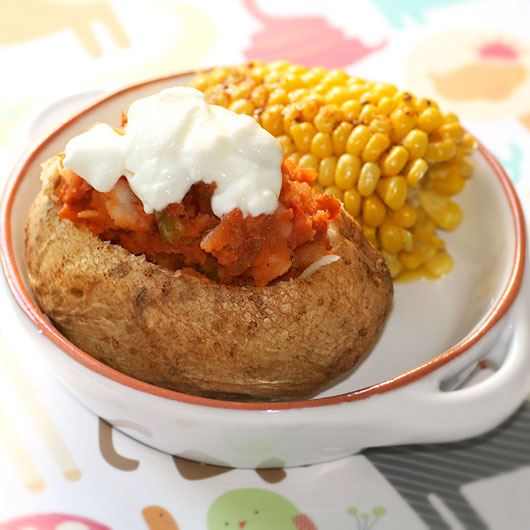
(427, 318)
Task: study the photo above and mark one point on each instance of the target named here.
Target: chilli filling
(188, 236)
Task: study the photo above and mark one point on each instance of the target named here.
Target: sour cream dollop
(174, 139)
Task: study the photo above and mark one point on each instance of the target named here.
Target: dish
(409, 397)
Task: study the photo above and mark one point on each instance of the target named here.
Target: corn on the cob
(393, 159)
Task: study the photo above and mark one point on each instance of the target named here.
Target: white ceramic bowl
(414, 387)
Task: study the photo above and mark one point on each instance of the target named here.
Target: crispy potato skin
(177, 331)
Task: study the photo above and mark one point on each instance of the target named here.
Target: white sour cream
(175, 139)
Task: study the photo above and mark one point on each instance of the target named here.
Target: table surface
(61, 467)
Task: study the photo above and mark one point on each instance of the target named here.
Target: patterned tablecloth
(63, 468)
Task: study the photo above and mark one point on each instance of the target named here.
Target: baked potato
(188, 333)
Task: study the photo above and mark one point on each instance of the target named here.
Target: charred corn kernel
(440, 151)
(242, 106)
(326, 171)
(416, 143)
(430, 119)
(368, 96)
(360, 135)
(439, 265)
(336, 192)
(444, 211)
(358, 139)
(309, 160)
(390, 237)
(351, 109)
(371, 234)
(402, 122)
(347, 171)
(272, 120)
(278, 97)
(454, 131)
(368, 178)
(381, 124)
(394, 265)
(328, 116)
(415, 171)
(394, 161)
(321, 145)
(291, 115)
(393, 191)
(373, 211)
(340, 136)
(302, 134)
(451, 185)
(423, 104)
(411, 259)
(259, 96)
(352, 201)
(286, 144)
(375, 147)
(407, 240)
(405, 216)
(368, 113)
(309, 107)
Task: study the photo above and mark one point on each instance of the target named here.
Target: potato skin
(189, 334)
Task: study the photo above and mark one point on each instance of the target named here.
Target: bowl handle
(435, 409)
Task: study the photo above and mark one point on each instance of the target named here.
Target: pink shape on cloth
(307, 40)
(52, 521)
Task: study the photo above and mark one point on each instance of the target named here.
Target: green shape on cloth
(251, 509)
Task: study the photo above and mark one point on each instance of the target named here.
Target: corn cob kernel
(326, 171)
(415, 171)
(352, 201)
(373, 211)
(393, 191)
(368, 179)
(393, 159)
(390, 237)
(310, 161)
(347, 171)
(340, 136)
